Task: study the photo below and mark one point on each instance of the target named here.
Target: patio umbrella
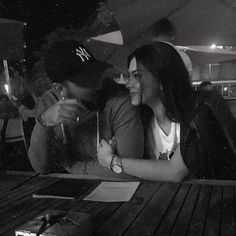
(11, 44)
(117, 54)
(197, 22)
(203, 55)
(11, 40)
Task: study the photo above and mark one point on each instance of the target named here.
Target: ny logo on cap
(83, 54)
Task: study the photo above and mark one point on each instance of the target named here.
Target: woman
(189, 133)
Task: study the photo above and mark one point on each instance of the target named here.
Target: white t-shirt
(165, 144)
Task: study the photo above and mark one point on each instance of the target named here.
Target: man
(205, 86)
(75, 115)
(13, 150)
(164, 31)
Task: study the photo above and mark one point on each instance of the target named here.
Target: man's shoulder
(120, 99)
(120, 109)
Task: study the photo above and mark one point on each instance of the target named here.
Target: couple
(186, 132)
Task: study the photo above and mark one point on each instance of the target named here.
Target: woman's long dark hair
(166, 65)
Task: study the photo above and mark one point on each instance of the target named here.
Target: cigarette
(63, 133)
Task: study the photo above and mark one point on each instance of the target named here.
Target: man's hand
(64, 111)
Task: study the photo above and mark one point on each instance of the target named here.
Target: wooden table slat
(55, 204)
(118, 222)
(28, 185)
(100, 219)
(16, 197)
(20, 217)
(154, 211)
(170, 218)
(19, 206)
(8, 182)
(184, 218)
(228, 212)
(205, 207)
(214, 212)
(199, 215)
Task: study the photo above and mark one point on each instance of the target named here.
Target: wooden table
(194, 208)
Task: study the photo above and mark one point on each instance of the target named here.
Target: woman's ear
(60, 90)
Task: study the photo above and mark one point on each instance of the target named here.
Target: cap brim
(91, 76)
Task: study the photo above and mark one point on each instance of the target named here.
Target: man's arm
(95, 169)
(52, 114)
(38, 150)
(39, 142)
(127, 128)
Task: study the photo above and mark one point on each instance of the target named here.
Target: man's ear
(59, 89)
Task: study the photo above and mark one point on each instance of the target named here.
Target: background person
(75, 74)
(164, 31)
(13, 151)
(27, 112)
(205, 86)
(189, 132)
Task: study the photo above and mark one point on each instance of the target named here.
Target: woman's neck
(162, 119)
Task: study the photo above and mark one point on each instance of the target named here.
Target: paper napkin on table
(113, 192)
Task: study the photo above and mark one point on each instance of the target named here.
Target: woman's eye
(137, 76)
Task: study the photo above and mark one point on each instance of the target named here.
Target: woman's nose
(128, 84)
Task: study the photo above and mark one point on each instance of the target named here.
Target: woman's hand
(104, 153)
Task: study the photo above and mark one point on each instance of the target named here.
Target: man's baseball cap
(71, 60)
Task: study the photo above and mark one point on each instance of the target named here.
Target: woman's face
(142, 85)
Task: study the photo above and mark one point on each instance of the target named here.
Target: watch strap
(41, 120)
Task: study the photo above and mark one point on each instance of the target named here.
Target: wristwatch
(42, 121)
(116, 164)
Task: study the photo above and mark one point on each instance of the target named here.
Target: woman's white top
(165, 145)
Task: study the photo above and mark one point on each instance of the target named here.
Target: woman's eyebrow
(135, 71)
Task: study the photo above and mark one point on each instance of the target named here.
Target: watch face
(117, 169)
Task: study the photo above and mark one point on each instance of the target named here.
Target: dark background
(44, 16)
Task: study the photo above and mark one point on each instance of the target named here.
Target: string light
(213, 46)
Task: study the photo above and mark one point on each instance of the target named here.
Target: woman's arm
(173, 170)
